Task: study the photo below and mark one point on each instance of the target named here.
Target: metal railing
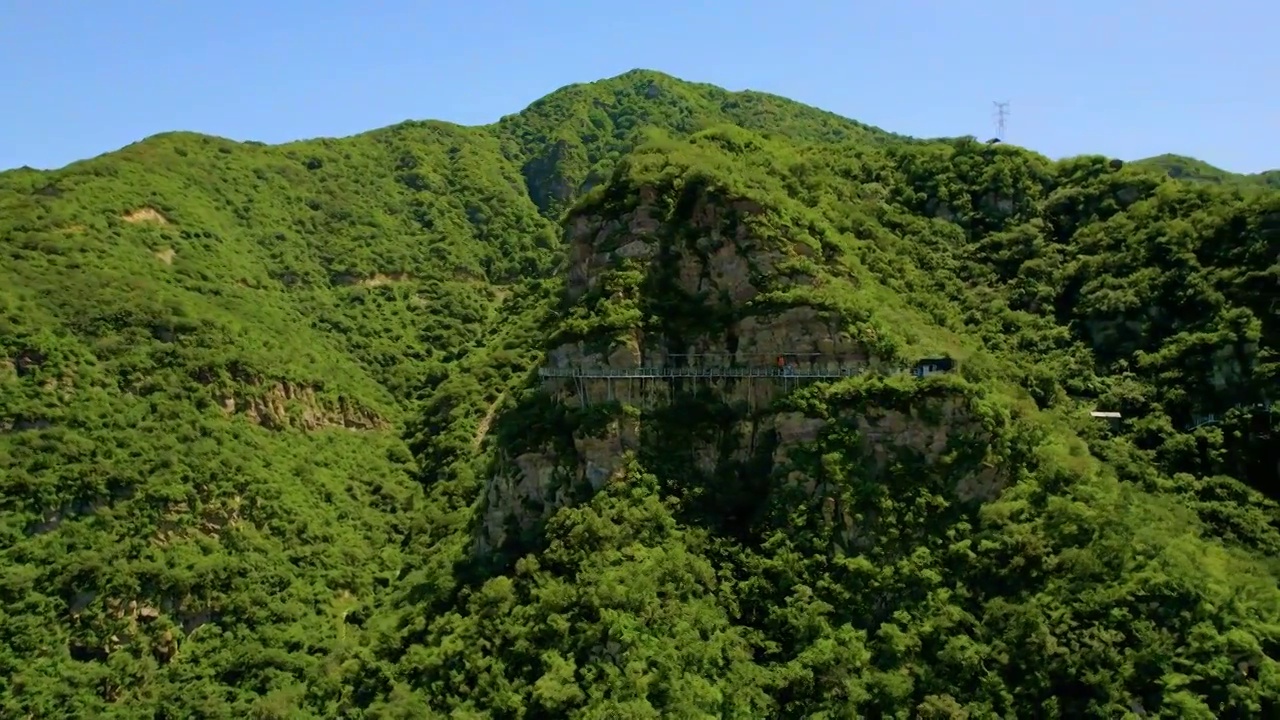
(696, 372)
(1198, 421)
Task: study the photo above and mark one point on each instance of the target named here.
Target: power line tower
(1001, 112)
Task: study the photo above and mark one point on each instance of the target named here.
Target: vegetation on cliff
(271, 442)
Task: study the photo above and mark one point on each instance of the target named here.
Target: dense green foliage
(253, 402)
(1185, 168)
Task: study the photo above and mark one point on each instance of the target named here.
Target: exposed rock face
(273, 404)
(283, 404)
(888, 436)
(532, 485)
(716, 262)
(374, 280)
(145, 214)
(794, 428)
(724, 259)
(885, 432)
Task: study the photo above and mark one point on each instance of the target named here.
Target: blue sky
(1129, 78)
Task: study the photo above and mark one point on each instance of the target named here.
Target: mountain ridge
(273, 439)
(1180, 166)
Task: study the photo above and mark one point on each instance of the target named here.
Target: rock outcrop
(279, 405)
(702, 290)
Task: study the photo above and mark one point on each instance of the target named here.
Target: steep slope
(208, 352)
(719, 541)
(272, 439)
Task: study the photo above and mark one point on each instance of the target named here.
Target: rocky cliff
(680, 301)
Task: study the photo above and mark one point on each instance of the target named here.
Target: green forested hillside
(1185, 168)
(272, 443)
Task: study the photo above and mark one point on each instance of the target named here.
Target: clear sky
(1128, 78)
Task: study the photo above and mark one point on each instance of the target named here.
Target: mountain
(489, 422)
(1185, 168)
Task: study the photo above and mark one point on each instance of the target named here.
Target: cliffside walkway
(787, 370)
(789, 375)
(698, 372)
(1198, 421)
